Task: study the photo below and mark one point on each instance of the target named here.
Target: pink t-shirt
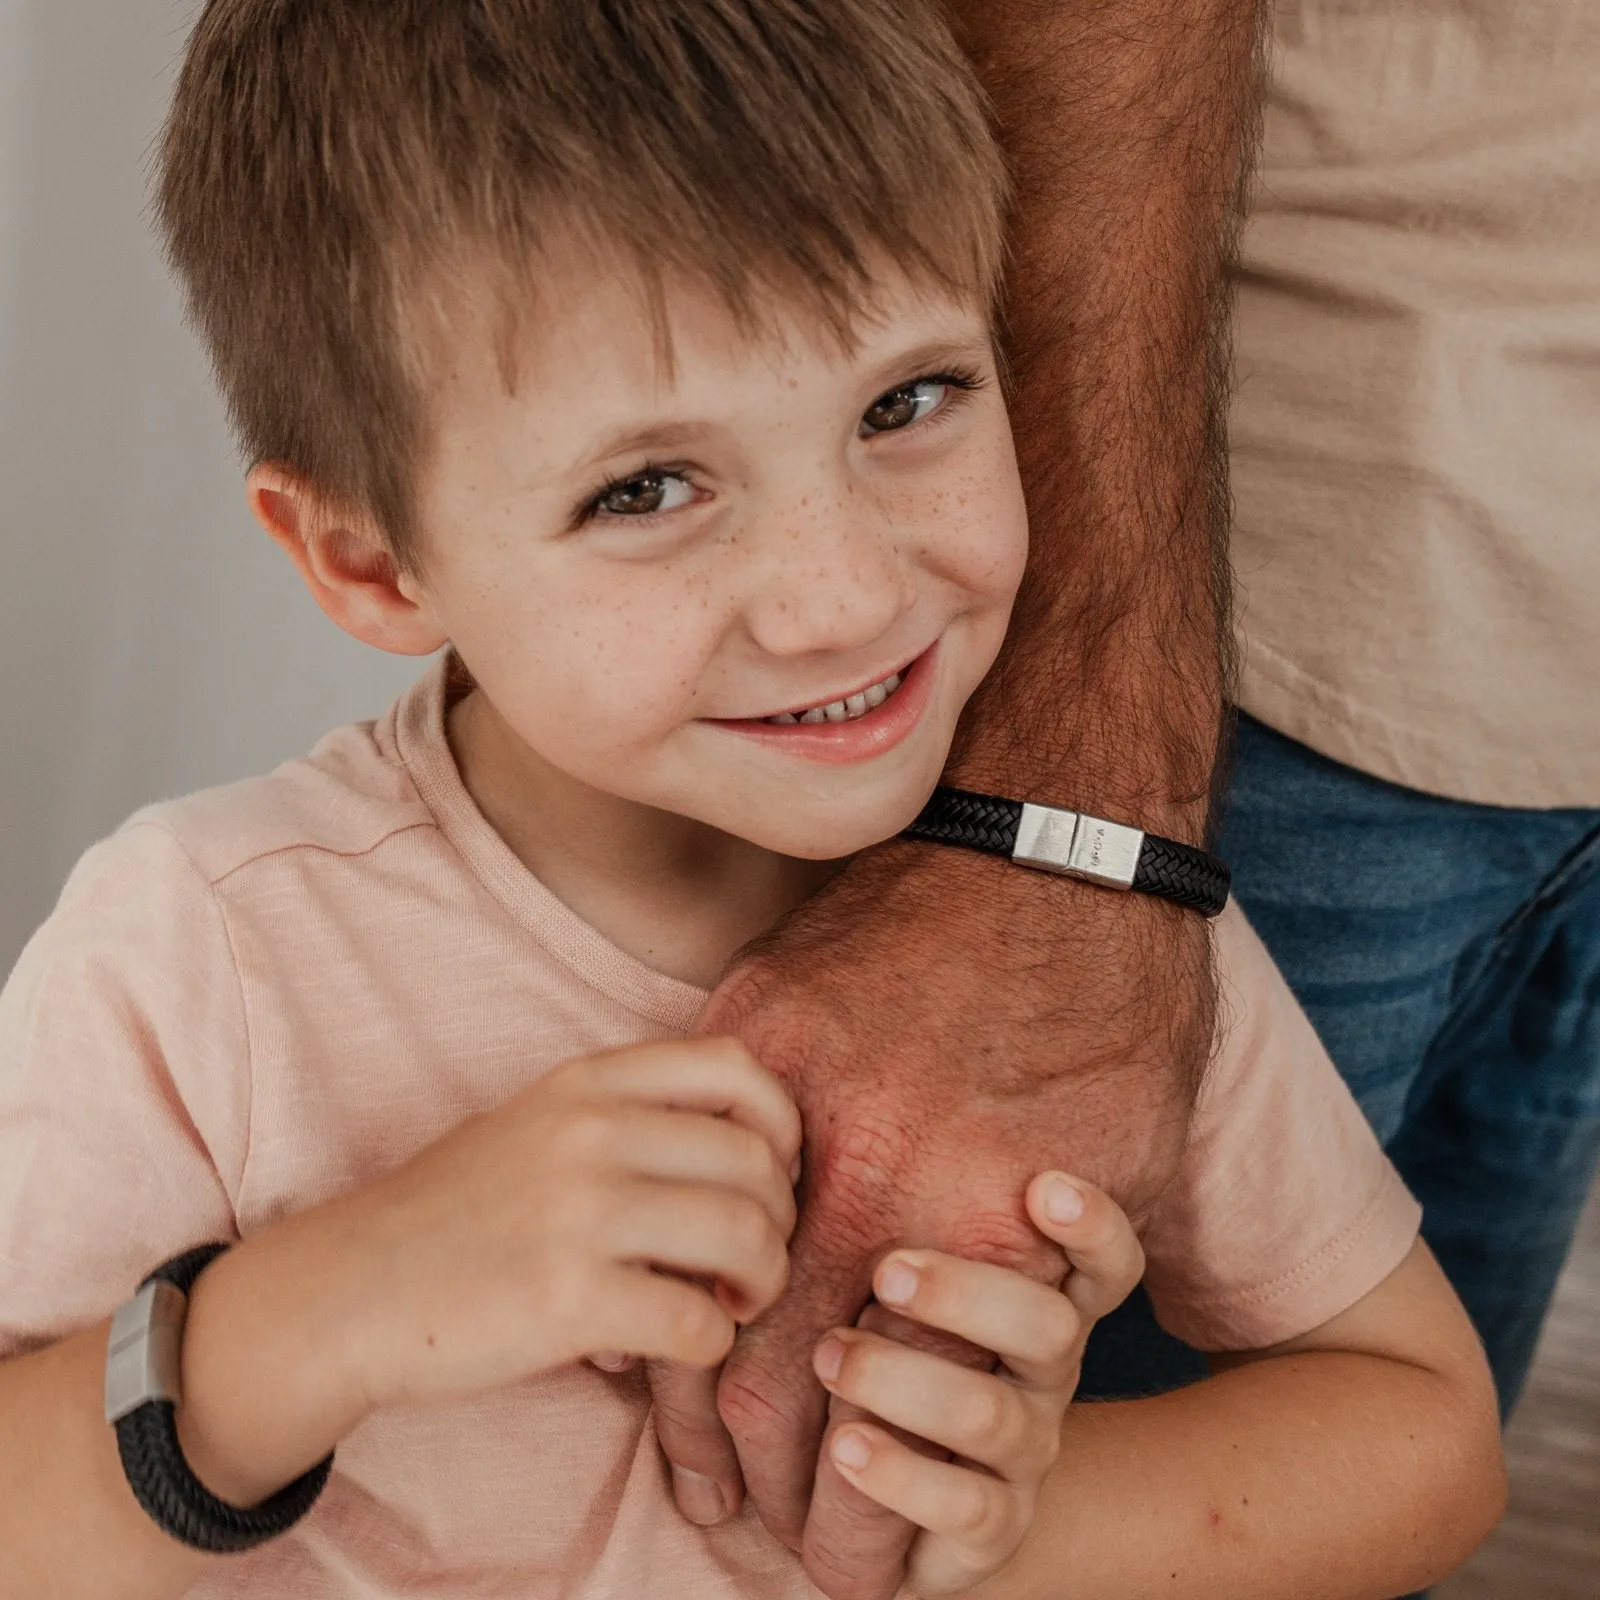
(259, 997)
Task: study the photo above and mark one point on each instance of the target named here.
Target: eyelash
(961, 381)
(964, 380)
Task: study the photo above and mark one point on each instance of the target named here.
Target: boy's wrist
(269, 1383)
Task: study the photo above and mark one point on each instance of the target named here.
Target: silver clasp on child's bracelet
(142, 1361)
(1078, 846)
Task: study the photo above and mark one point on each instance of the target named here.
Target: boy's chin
(831, 838)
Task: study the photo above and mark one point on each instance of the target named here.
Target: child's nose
(836, 582)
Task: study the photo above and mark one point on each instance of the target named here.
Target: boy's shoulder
(346, 797)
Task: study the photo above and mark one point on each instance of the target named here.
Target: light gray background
(152, 641)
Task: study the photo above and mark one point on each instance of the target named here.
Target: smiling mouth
(847, 709)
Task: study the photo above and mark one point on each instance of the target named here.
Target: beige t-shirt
(1417, 426)
(256, 998)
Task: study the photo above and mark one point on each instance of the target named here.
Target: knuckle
(584, 1133)
(778, 1023)
(1062, 1329)
(751, 1234)
(770, 1277)
(1037, 1450)
(1107, 1229)
(1117, 1263)
(1046, 1451)
(858, 1562)
(697, 1331)
(686, 1419)
(980, 1515)
(761, 1407)
(987, 1419)
(760, 1161)
(736, 1003)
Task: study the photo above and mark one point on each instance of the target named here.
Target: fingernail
(897, 1283)
(698, 1496)
(1063, 1202)
(794, 1172)
(850, 1449)
(828, 1359)
(609, 1360)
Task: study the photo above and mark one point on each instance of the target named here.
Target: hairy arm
(1128, 125)
(948, 1024)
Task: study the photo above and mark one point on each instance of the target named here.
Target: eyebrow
(651, 438)
(648, 438)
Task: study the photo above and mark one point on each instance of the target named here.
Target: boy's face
(641, 567)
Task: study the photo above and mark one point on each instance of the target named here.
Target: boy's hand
(1003, 1428)
(571, 1219)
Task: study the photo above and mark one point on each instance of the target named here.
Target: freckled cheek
(619, 680)
(984, 546)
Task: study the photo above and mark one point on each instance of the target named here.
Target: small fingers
(1034, 1329)
(976, 1415)
(983, 1516)
(695, 1148)
(716, 1076)
(652, 1315)
(1103, 1250)
(717, 1234)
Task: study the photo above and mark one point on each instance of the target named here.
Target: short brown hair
(323, 157)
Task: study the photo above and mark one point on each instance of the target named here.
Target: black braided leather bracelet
(1076, 845)
(142, 1361)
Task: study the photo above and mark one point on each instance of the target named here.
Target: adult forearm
(1128, 125)
(1326, 1476)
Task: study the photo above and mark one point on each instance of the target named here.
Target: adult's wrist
(1074, 844)
(1162, 785)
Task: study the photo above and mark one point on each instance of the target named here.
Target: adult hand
(949, 1025)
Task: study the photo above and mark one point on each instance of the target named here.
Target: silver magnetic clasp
(142, 1357)
(1078, 846)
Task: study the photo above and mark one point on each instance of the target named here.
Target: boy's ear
(345, 563)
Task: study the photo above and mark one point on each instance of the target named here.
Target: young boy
(641, 354)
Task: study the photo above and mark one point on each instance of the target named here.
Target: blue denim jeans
(1449, 956)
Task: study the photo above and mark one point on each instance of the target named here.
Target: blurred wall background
(151, 639)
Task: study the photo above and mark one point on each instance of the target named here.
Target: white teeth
(846, 710)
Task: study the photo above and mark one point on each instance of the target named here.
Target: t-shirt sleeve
(1285, 1210)
(124, 1087)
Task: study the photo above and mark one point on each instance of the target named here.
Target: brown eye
(899, 408)
(645, 494)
